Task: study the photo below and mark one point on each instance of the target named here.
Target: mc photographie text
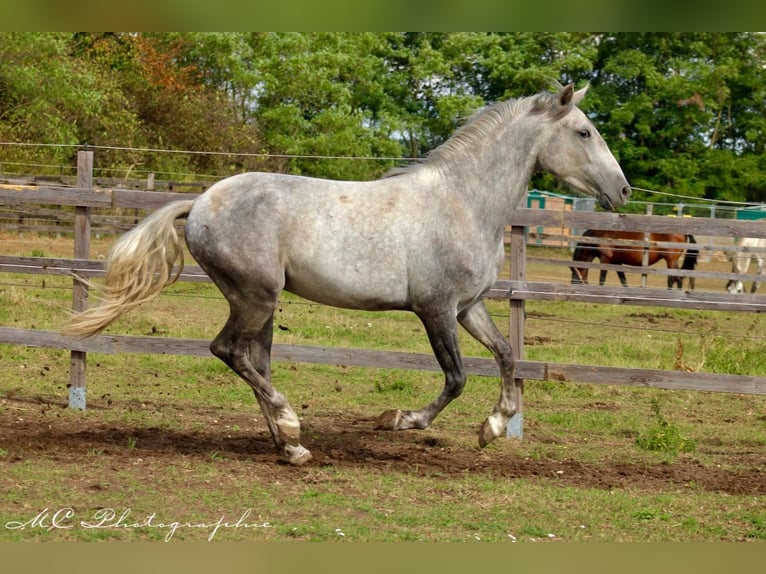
(110, 519)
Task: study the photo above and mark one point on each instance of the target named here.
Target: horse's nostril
(626, 191)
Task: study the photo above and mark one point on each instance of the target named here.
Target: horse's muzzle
(611, 203)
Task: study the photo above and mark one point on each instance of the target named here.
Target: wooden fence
(516, 289)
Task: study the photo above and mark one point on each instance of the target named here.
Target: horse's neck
(495, 175)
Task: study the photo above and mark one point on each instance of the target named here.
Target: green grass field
(175, 448)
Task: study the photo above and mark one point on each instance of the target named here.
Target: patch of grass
(664, 436)
(757, 527)
(396, 385)
(215, 456)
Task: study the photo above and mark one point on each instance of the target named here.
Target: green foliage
(678, 107)
(664, 436)
(683, 112)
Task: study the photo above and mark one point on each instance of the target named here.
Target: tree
(684, 113)
(48, 97)
(319, 94)
(677, 107)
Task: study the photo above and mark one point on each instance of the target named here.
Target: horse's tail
(689, 263)
(138, 266)
(690, 257)
(583, 252)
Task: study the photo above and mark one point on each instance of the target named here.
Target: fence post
(515, 426)
(77, 360)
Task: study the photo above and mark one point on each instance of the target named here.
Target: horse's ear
(564, 101)
(579, 95)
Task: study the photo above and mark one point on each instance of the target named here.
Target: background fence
(76, 206)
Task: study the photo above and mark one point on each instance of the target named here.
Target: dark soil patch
(32, 431)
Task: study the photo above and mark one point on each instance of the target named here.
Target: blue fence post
(518, 257)
(77, 361)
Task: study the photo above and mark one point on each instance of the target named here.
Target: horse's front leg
(478, 322)
(622, 278)
(442, 333)
(673, 279)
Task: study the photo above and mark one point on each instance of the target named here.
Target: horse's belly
(349, 288)
(339, 295)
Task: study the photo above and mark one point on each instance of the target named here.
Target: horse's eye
(584, 134)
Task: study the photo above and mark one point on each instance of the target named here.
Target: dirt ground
(33, 427)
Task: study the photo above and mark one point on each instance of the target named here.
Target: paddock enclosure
(86, 213)
(515, 288)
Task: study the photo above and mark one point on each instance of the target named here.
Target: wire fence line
(264, 155)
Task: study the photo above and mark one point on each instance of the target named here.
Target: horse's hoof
(487, 433)
(297, 455)
(389, 420)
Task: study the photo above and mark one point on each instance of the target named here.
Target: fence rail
(516, 290)
(534, 370)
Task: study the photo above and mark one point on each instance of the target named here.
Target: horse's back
(383, 244)
(300, 233)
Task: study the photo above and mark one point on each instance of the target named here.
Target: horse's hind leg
(759, 271)
(442, 333)
(245, 345)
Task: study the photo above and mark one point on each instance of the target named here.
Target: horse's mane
(478, 127)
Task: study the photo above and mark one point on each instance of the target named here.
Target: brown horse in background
(628, 255)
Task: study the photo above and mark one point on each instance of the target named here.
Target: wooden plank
(82, 267)
(632, 222)
(724, 276)
(147, 199)
(629, 296)
(20, 194)
(661, 271)
(534, 370)
(502, 289)
(50, 265)
(648, 378)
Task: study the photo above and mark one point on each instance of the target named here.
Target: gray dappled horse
(428, 239)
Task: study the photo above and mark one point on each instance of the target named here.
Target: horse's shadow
(358, 444)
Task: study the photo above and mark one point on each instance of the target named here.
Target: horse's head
(576, 153)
